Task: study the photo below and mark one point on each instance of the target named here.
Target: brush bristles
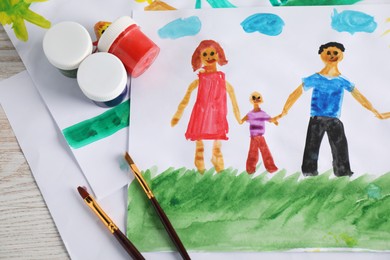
(83, 192)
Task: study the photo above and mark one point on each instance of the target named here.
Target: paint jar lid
(66, 45)
(113, 31)
(102, 77)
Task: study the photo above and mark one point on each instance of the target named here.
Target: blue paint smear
(265, 23)
(353, 21)
(180, 28)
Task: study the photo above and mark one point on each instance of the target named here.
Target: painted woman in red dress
(208, 119)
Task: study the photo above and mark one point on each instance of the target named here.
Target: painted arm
(365, 103)
(244, 119)
(292, 98)
(183, 104)
(236, 110)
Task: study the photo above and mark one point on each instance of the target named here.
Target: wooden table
(27, 230)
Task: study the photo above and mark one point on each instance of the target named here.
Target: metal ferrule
(142, 181)
(101, 214)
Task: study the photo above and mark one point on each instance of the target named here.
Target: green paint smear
(236, 212)
(312, 2)
(99, 127)
(215, 4)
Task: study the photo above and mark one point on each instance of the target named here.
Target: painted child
(208, 119)
(256, 119)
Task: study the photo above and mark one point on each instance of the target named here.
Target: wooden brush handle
(127, 245)
(171, 231)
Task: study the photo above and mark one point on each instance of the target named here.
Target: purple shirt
(256, 121)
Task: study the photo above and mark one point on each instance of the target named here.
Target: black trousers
(338, 143)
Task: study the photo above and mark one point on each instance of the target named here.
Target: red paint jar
(124, 39)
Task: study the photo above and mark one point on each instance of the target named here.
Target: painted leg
(199, 158)
(315, 133)
(267, 156)
(217, 158)
(339, 146)
(253, 156)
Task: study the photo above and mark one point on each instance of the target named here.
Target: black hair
(331, 44)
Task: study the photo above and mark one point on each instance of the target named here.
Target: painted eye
(335, 52)
(253, 98)
(212, 53)
(204, 54)
(328, 53)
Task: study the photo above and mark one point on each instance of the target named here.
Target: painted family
(208, 118)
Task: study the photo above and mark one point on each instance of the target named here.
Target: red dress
(208, 118)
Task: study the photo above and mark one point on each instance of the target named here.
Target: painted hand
(385, 115)
(274, 120)
(175, 119)
(378, 115)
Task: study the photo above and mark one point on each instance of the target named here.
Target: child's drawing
(208, 119)
(256, 119)
(15, 12)
(328, 89)
(262, 211)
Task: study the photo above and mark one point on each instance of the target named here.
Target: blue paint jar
(102, 78)
(66, 45)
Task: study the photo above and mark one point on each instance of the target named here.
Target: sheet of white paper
(274, 66)
(57, 176)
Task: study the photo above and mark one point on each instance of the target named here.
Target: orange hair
(196, 61)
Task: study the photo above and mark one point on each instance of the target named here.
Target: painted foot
(199, 164)
(308, 174)
(272, 169)
(218, 163)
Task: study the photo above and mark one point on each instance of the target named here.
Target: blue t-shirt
(328, 92)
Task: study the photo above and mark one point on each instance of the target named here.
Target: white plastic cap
(113, 31)
(66, 45)
(102, 77)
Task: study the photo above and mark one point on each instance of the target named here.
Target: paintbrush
(160, 212)
(122, 239)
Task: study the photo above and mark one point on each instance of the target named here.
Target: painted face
(256, 98)
(209, 56)
(332, 54)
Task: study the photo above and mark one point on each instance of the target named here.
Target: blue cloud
(265, 23)
(353, 21)
(180, 28)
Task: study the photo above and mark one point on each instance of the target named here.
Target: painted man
(328, 89)
(256, 119)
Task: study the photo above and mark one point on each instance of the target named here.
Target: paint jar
(66, 45)
(103, 79)
(124, 39)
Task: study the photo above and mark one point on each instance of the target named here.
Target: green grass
(236, 212)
